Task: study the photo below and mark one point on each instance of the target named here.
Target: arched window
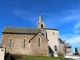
(10, 45)
(55, 47)
(65, 51)
(41, 25)
(38, 42)
(24, 43)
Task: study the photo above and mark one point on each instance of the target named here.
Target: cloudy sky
(60, 14)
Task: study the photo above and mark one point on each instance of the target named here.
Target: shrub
(13, 57)
(7, 56)
(16, 57)
(60, 55)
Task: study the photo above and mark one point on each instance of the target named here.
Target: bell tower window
(41, 25)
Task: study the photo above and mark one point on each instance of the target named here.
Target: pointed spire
(41, 23)
(40, 17)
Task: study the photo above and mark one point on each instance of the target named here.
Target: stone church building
(34, 41)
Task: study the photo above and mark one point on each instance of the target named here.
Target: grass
(26, 57)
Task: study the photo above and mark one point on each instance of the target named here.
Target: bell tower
(41, 23)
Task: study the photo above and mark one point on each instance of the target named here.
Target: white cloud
(77, 27)
(65, 36)
(74, 40)
(70, 18)
(51, 19)
(75, 37)
(26, 15)
(62, 17)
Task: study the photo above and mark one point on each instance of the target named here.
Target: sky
(60, 14)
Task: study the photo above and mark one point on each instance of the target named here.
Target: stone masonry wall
(62, 49)
(17, 43)
(43, 49)
(68, 51)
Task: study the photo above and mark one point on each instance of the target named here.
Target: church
(40, 41)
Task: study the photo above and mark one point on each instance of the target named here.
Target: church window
(55, 47)
(65, 51)
(41, 25)
(10, 43)
(38, 42)
(24, 43)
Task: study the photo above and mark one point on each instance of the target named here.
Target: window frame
(55, 47)
(24, 43)
(39, 42)
(10, 43)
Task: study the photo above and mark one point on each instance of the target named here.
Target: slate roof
(61, 41)
(9, 29)
(50, 29)
(66, 45)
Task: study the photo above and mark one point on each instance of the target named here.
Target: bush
(16, 57)
(60, 55)
(13, 57)
(7, 56)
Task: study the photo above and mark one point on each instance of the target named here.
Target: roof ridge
(21, 27)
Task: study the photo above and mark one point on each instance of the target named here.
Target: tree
(8, 57)
(76, 51)
(79, 50)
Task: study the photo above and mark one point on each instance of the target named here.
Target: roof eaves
(51, 29)
(17, 33)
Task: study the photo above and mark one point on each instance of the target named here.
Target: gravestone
(2, 52)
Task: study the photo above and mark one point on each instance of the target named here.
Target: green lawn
(42, 58)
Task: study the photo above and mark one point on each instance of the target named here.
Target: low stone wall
(2, 53)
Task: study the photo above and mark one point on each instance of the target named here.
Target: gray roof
(66, 45)
(50, 29)
(8, 29)
(61, 41)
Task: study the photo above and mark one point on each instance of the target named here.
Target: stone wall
(62, 49)
(52, 36)
(17, 43)
(68, 51)
(43, 49)
(31, 48)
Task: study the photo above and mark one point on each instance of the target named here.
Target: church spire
(40, 17)
(41, 24)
